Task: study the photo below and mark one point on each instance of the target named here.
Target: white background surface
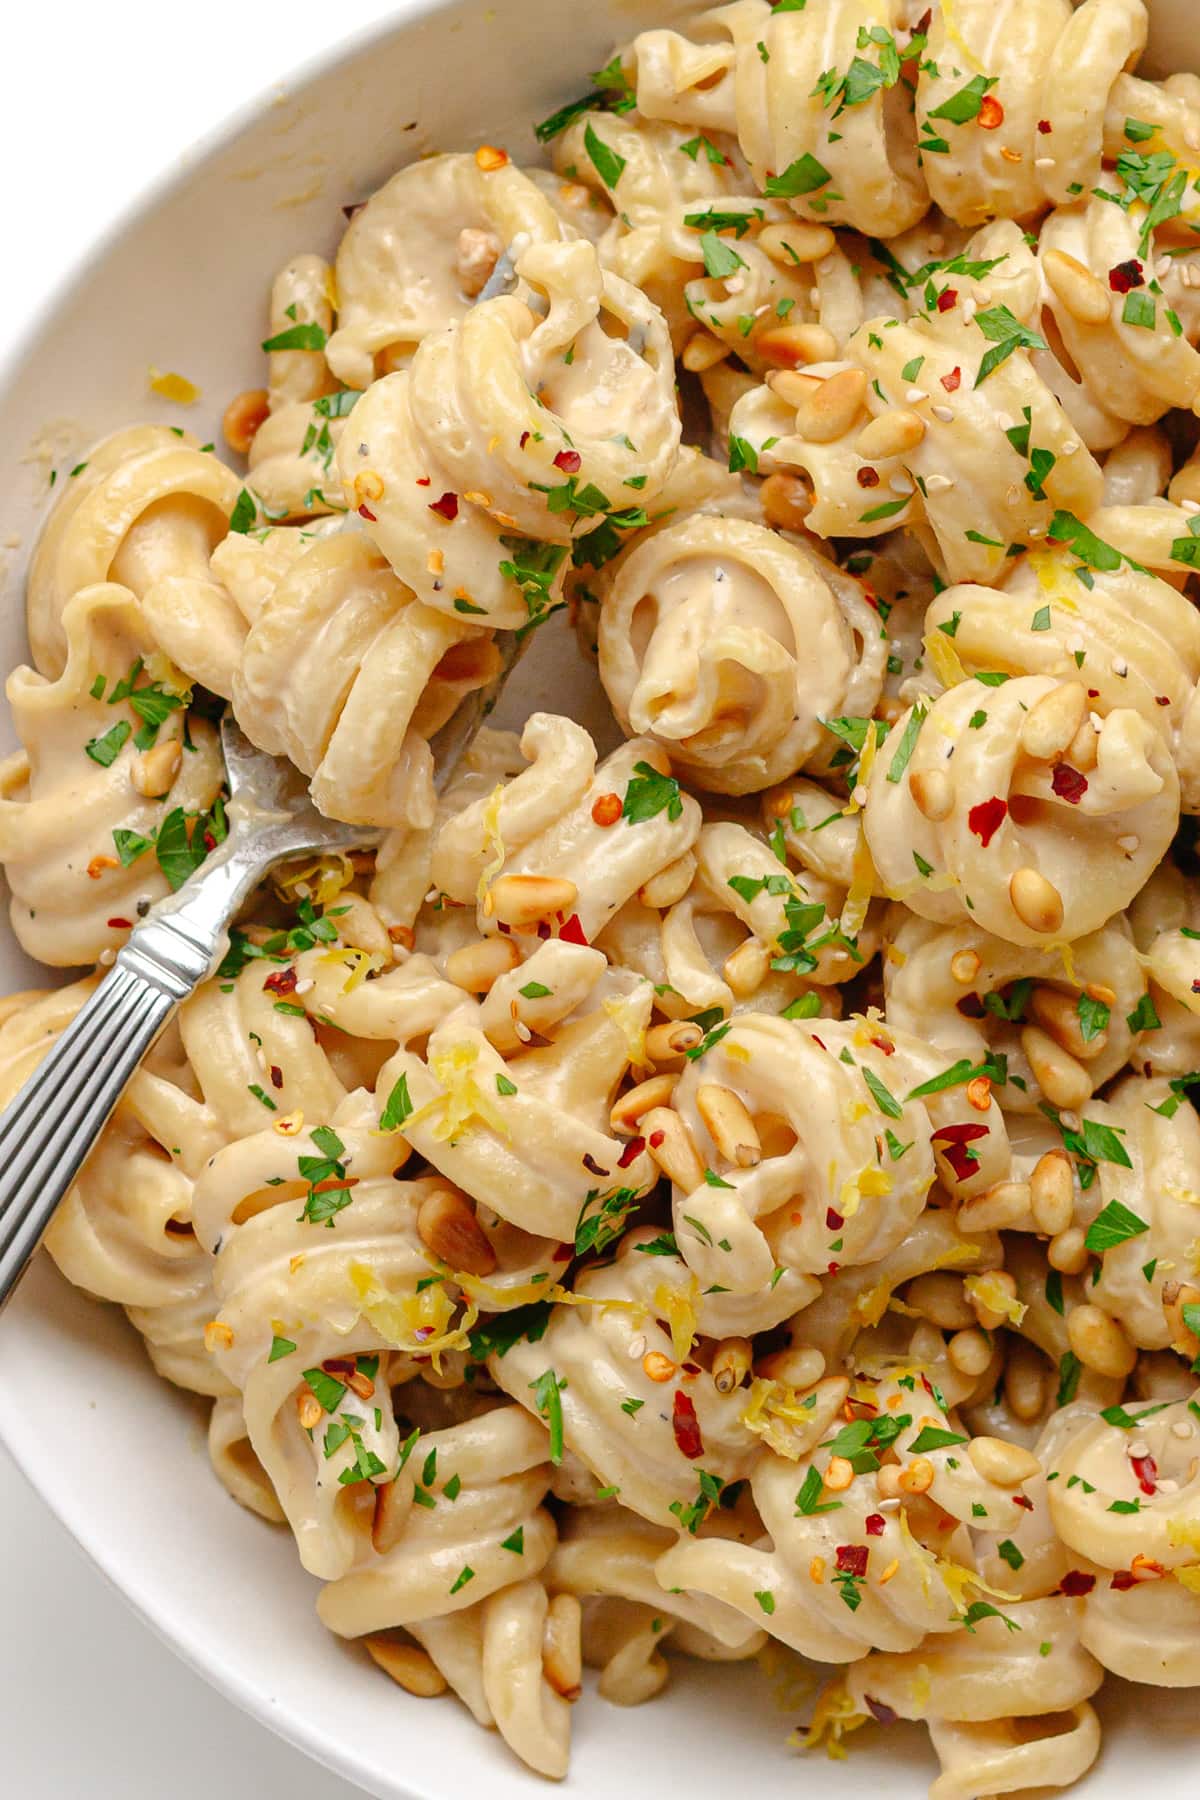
(92, 1707)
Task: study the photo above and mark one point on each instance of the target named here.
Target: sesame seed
(915, 394)
(1181, 1429)
(1043, 162)
(1128, 844)
(637, 1347)
(944, 413)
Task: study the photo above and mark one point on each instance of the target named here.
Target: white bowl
(117, 1454)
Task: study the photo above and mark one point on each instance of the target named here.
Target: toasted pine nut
(393, 1503)
(1036, 901)
(668, 886)
(970, 1351)
(98, 865)
(1024, 1381)
(403, 935)
(887, 1480)
(933, 793)
(1084, 749)
(629, 1111)
(838, 1475)
(1144, 1568)
(217, 1336)
(796, 242)
(1049, 726)
(988, 1316)
(917, 1478)
(786, 501)
(242, 419)
(360, 1384)
(489, 158)
(891, 434)
(731, 1363)
(965, 966)
(1052, 1193)
(667, 1042)
(792, 387)
(746, 968)
(829, 413)
(1004, 1207)
(308, 1408)
(1008, 1465)
(562, 1656)
(525, 899)
(1185, 486)
(938, 1297)
(606, 810)
(1099, 1342)
(289, 1124)
(1083, 295)
(1175, 1296)
(1058, 1014)
(1067, 1252)
(788, 346)
(657, 1366)
(670, 1144)
(703, 351)
(799, 1367)
(1065, 1082)
(477, 967)
(729, 1125)
(446, 1224)
(409, 1667)
(153, 772)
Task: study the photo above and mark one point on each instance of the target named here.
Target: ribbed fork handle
(51, 1124)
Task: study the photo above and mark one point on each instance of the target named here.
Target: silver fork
(52, 1123)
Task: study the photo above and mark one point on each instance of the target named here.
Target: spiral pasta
(732, 1194)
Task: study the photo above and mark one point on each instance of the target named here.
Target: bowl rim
(337, 1754)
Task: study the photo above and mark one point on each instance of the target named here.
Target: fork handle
(50, 1126)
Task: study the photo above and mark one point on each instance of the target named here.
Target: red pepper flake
(446, 507)
(874, 1524)
(971, 1007)
(1125, 276)
(953, 381)
(1093, 693)
(1146, 1470)
(543, 928)
(121, 924)
(852, 1559)
(1069, 784)
(563, 1253)
(1075, 1582)
(1162, 700)
(883, 1044)
(952, 1141)
(592, 1166)
(276, 1076)
(819, 1044)
(986, 819)
(422, 1332)
(656, 1138)
(424, 480)
(569, 461)
(1045, 127)
(686, 1426)
(283, 981)
(571, 931)
(881, 1712)
(867, 477)
(991, 113)
(631, 1152)
(364, 512)
(832, 1268)
(947, 299)
(1023, 1500)
(833, 1219)
(692, 1369)
(522, 440)
(1123, 1580)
